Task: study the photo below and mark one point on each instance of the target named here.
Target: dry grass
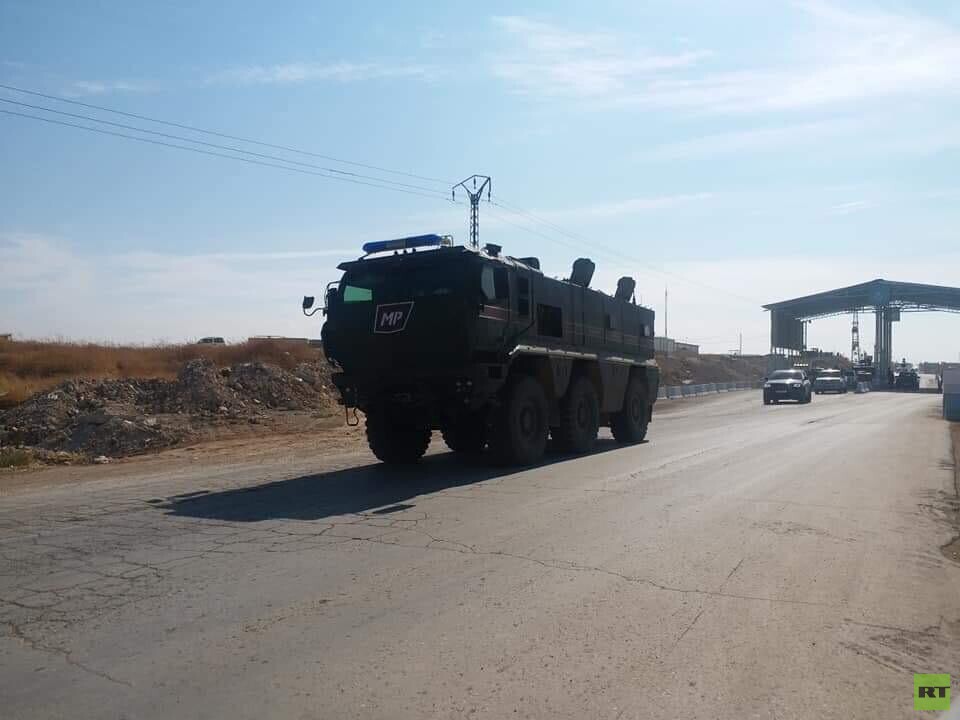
(28, 367)
(14, 458)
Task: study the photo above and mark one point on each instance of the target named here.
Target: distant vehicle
(850, 377)
(830, 381)
(211, 341)
(907, 379)
(787, 385)
(864, 372)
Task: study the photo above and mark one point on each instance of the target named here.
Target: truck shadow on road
(368, 488)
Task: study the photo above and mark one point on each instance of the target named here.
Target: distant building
(669, 346)
(664, 345)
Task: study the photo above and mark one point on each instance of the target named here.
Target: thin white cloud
(630, 206)
(761, 139)
(553, 61)
(81, 88)
(294, 73)
(847, 208)
(841, 56)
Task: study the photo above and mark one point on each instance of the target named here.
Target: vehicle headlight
(796, 385)
(767, 386)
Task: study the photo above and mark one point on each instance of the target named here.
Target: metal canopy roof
(906, 296)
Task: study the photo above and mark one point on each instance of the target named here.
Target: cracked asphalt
(746, 562)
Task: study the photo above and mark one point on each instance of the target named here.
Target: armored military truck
(424, 335)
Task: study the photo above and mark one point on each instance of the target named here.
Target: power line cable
(218, 146)
(193, 128)
(576, 246)
(613, 252)
(224, 155)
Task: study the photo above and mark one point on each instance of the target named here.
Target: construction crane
(855, 338)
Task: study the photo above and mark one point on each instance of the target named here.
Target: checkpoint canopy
(887, 299)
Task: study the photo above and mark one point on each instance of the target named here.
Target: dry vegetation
(28, 367)
(678, 369)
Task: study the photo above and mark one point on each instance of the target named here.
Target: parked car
(787, 385)
(830, 381)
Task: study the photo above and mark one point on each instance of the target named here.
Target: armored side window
(523, 296)
(549, 320)
(494, 284)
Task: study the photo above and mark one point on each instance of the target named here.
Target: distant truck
(907, 379)
(424, 335)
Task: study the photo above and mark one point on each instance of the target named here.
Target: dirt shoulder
(301, 436)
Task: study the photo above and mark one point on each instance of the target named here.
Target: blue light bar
(404, 243)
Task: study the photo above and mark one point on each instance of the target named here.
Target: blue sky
(739, 152)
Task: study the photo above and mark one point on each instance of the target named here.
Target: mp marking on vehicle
(393, 317)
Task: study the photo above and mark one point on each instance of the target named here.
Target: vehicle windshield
(830, 374)
(397, 284)
(786, 375)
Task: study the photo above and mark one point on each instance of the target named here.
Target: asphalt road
(746, 562)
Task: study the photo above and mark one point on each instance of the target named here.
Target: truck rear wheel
(630, 424)
(396, 437)
(519, 431)
(466, 435)
(579, 417)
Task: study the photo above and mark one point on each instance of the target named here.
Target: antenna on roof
(474, 194)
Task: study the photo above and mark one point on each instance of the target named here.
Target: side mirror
(307, 302)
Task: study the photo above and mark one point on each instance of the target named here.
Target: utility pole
(474, 194)
(666, 334)
(740, 353)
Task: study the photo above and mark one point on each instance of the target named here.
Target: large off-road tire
(630, 424)
(579, 417)
(396, 437)
(466, 435)
(518, 432)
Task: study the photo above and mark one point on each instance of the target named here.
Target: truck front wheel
(396, 437)
(466, 434)
(519, 430)
(630, 424)
(579, 417)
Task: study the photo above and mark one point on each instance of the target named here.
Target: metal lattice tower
(474, 194)
(855, 338)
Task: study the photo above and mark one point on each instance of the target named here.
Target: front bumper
(837, 387)
(784, 393)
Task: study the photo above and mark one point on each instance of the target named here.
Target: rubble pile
(117, 417)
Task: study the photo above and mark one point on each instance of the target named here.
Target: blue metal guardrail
(673, 392)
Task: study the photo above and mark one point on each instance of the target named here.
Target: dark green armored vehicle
(424, 335)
